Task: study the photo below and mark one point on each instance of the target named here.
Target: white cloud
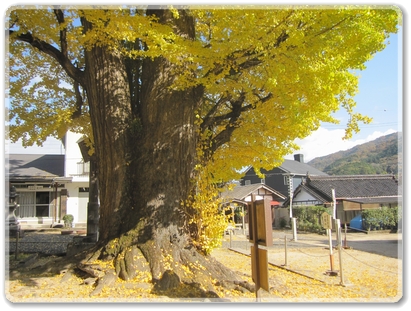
(324, 142)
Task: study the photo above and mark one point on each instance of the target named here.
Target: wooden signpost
(260, 234)
(326, 222)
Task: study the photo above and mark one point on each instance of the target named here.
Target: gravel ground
(42, 242)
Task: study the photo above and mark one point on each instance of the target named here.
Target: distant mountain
(379, 156)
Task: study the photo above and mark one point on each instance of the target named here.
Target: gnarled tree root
(174, 271)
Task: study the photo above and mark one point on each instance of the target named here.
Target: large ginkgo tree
(168, 95)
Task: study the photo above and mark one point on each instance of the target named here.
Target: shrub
(68, 220)
(309, 218)
(382, 218)
(283, 222)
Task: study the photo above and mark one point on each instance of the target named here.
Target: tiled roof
(380, 200)
(292, 167)
(315, 194)
(295, 167)
(34, 166)
(241, 192)
(353, 186)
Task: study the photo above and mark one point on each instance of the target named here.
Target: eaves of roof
(241, 192)
(381, 200)
(318, 195)
(356, 186)
(298, 168)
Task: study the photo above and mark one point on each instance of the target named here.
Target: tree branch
(63, 32)
(79, 101)
(331, 28)
(73, 72)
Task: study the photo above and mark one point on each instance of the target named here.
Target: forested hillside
(379, 156)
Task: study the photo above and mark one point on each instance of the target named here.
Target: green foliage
(376, 157)
(309, 217)
(382, 218)
(283, 222)
(68, 220)
(354, 168)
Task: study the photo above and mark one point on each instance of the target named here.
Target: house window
(286, 179)
(247, 182)
(34, 203)
(263, 181)
(83, 192)
(83, 168)
(35, 200)
(26, 200)
(42, 204)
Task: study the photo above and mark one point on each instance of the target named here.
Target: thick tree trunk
(145, 168)
(93, 214)
(110, 112)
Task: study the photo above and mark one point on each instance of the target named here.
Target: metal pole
(331, 250)
(285, 250)
(337, 232)
(340, 256)
(334, 203)
(294, 221)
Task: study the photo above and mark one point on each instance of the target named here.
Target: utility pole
(291, 193)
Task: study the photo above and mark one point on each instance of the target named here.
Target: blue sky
(380, 97)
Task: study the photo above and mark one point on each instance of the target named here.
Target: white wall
(73, 156)
(77, 202)
(303, 196)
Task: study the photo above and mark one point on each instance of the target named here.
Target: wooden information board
(264, 226)
(326, 221)
(262, 267)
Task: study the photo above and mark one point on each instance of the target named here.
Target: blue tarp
(356, 222)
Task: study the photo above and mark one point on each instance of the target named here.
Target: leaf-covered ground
(367, 278)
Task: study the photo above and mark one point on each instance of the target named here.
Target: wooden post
(16, 253)
(260, 232)
(242, 211)
(345, 236)
(256, 259)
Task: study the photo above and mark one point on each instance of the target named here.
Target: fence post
(285, 250)
(340, 257)
(345, 236)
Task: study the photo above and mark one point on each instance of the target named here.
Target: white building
(50, 186)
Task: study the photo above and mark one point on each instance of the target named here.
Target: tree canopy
(173, 99)
(270, 74)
